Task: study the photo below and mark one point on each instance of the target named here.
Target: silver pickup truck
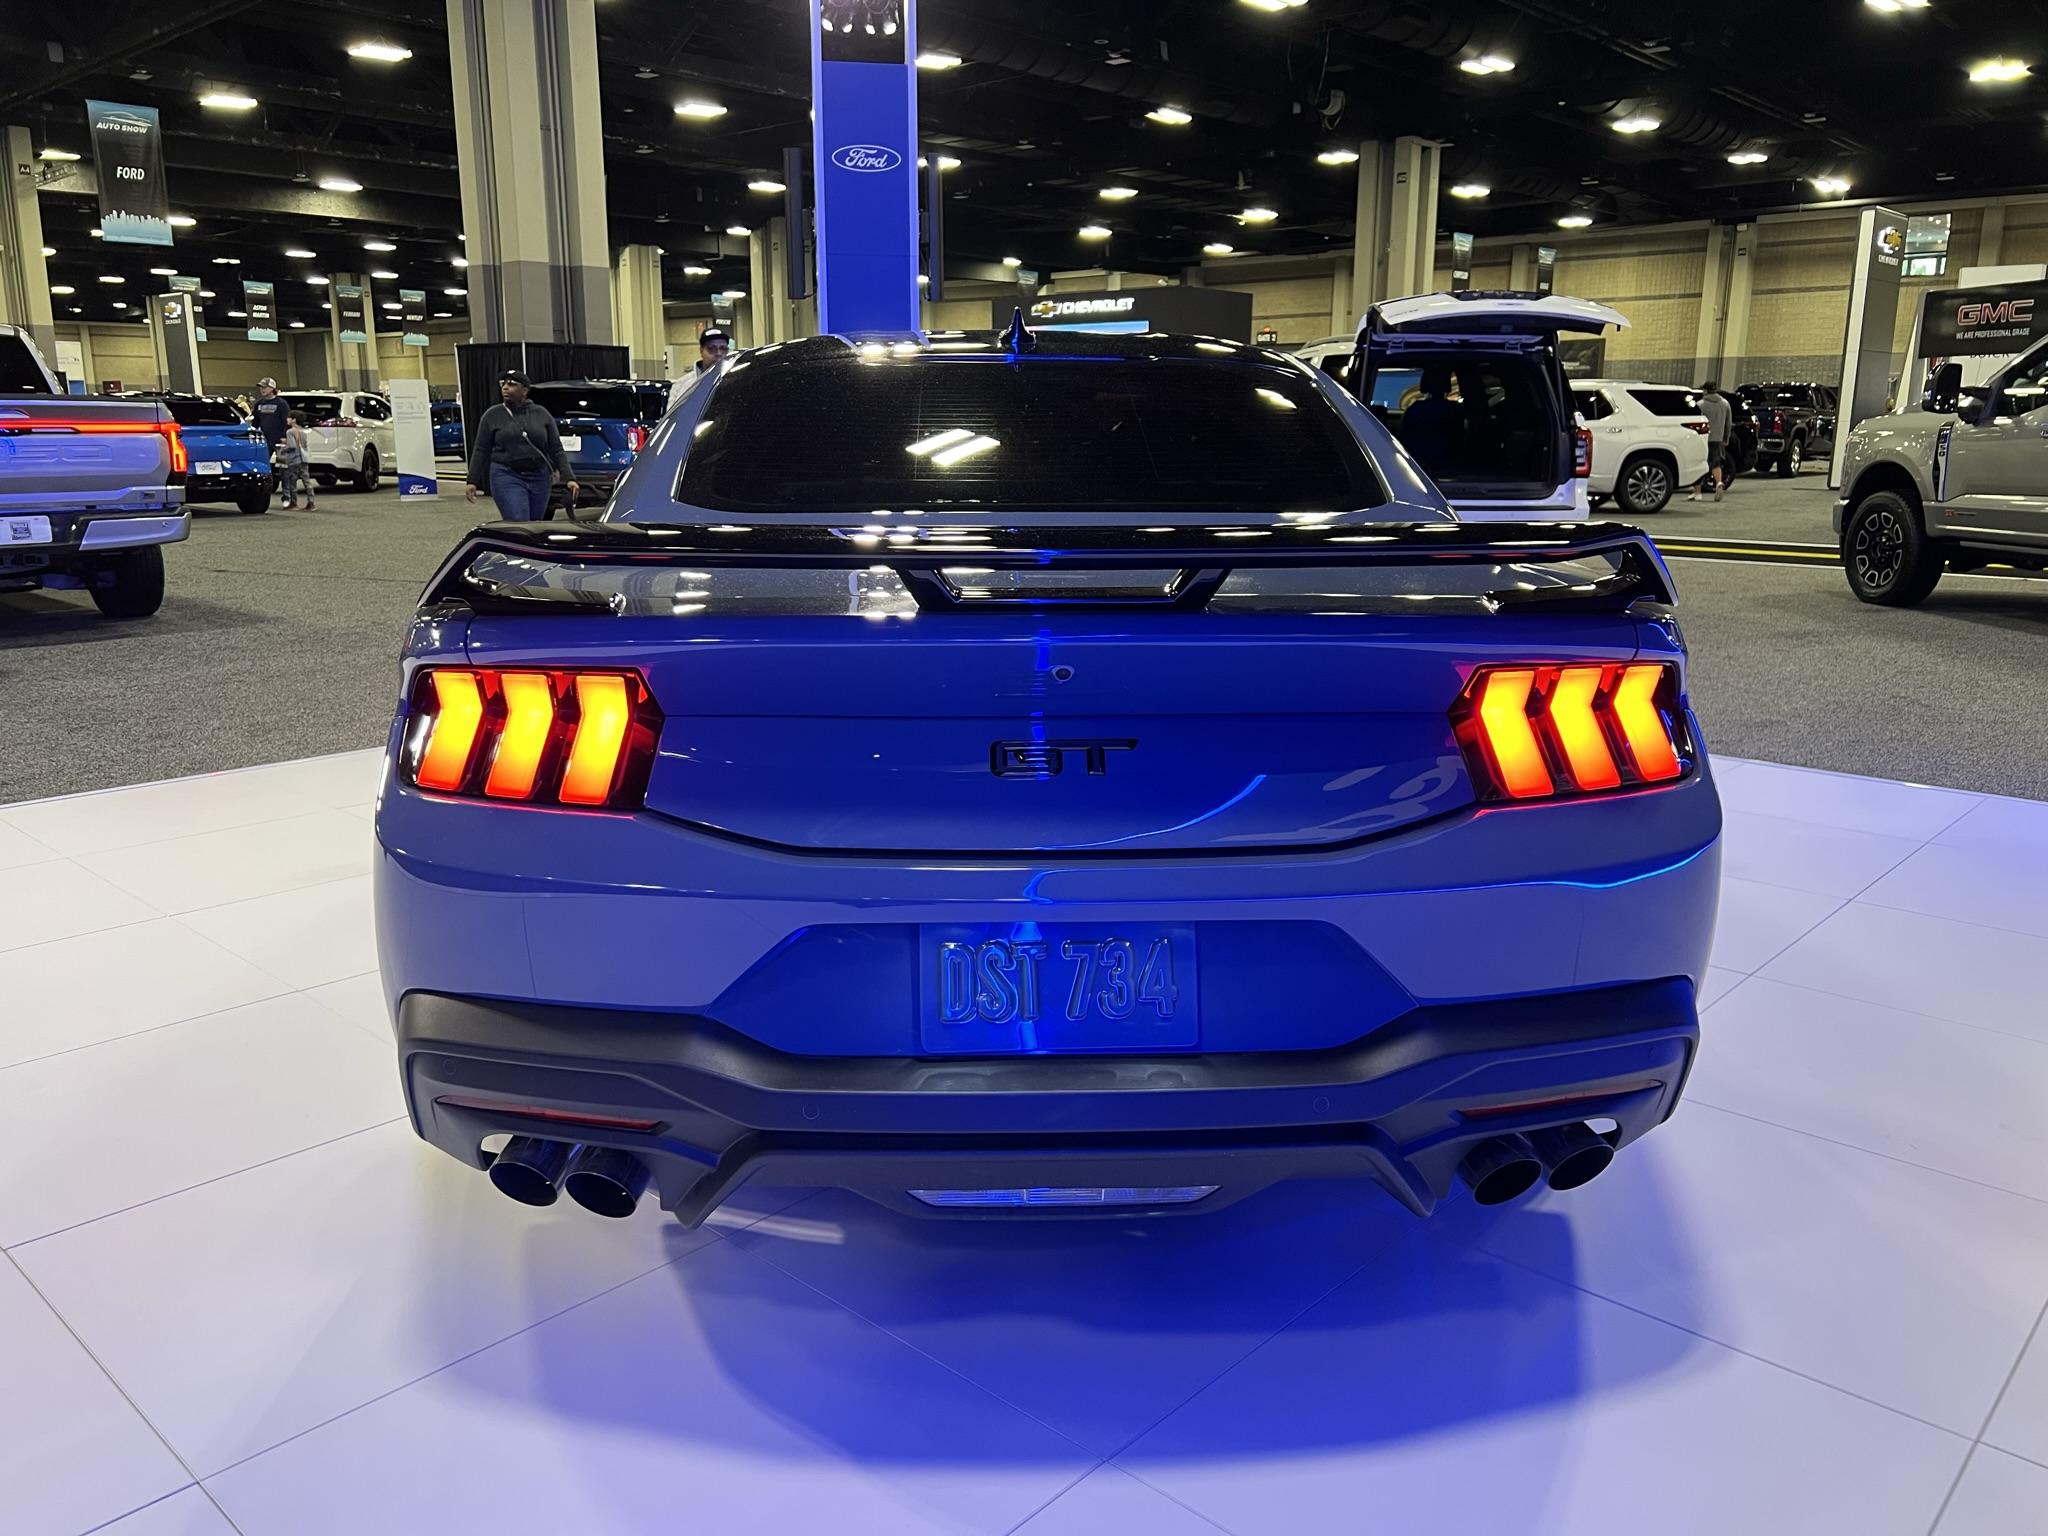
(1958, 483)
(90, 489)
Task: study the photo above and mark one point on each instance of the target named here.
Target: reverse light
(1544, 732)
(532, 736)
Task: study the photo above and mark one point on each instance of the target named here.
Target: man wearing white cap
(273, 415)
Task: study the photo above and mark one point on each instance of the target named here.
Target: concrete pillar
(760, 297)
(530, 150)
(637, 321)
(1741, 284)
(1990, 235)
(1344, 314)
(774, 287)
(1394, 249)
(355, 361)
(24, 275)
(1713, 322)
(1522, 269)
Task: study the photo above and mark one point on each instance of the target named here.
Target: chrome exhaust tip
(530, 1170)
(606, 1182)
(1574, 1154)
(1501, 1170)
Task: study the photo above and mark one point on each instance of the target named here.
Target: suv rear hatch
(1119, 692)
(1495, 427)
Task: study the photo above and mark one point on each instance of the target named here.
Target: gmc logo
(2004, 312)
(1044, 759)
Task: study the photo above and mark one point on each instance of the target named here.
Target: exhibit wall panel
(1297, 307)
(1656, 279)
(123, 352)
(1799, 308)
(2026, 234)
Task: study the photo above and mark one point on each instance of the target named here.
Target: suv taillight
(1582, 454)
(636, 437)
(1700, 427)
(1547, 732)
(559, 736)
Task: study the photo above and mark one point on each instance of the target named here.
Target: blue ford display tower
(864, 138)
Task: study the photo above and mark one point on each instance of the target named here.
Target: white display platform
(233, 1281)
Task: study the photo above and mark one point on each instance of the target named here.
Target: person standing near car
(517, 454)
(1720, 421)
(273, 414)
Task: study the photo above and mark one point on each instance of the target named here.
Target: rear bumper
(230, 486)
(1392, 1107)
(78, 538)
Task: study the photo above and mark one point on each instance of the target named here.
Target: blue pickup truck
(605, 423)
(230, 461)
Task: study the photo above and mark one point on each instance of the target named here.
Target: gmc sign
(1983, 322)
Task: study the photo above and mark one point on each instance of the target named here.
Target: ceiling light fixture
(385, 277)
(1893, 7)
(1637, 122)
(298, 253)
(1013, 261)
(60, 289)
(763, 184)
(318, 280)
(732, 294)
(52, 153)
(1096, 231)
(100, 234)
(1173, 117)
(456, 293)
(379, 245)
(1487, 64)
(163, 271)
(1748, 157)
(702, 111)
(379, 53)
(1257, 216)
(110, 277)
(120, 304)
(1575, 221)
(938, 58)
(1337, 157)
(1831, 186)
(177, 221)
(238, 314)
(738, 231)
(391, 304)
(227, 101)
(1276, 5)
(1117, 194)
(696, 271)
(458, 261)
(227, 261)
(1218, 248)
(1999, 71)
(339, 184)
(49, 250)
(1469, 190)
(297, 325)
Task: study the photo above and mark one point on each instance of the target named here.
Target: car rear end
(1079, 863)
(334, 437)
(1518, 450)
(604, 425)
(230, 461)
(89, 486)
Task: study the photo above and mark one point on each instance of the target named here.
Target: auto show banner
(1873, 313)
(864, 146)
(1546, 268)
(260, 300)
(1993, 321)
(1461, 263)
(128, 160)
(349, 305)
(413, 306)
(412, 421)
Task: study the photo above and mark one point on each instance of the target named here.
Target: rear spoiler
(929, 562)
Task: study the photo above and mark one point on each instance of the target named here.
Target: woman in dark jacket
(517, 454)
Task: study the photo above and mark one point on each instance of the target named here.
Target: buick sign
(866, 157)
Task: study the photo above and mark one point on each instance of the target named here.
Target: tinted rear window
(19, 374)
(1102, 434)
(1667, 402)
(1775, 394)
(565, 402)
(204, 413)
(318, 408)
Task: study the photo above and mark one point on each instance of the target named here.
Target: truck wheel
(1793, 456)
(252, 502)
(366, 477)
(135, 588)
(1644, 485)
(1887, 554)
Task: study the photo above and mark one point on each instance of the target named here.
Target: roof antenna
(1018, 338)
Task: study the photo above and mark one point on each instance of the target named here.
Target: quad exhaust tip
(606, 1182)
(1500, 1170)
(530, 1170)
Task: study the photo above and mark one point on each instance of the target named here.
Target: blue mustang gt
(1013, 775)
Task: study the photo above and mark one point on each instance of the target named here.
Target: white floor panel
(1819, 1281)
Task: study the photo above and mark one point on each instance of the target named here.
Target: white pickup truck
(90, 489)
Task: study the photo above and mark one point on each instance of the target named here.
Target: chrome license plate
(24, 530)
(1025, 987)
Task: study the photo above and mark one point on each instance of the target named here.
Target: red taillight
(1777, 421)
(1582, 454)
(1531, 1106)
(181, 461)
(554, 737)
(1700, 427)
(1541, 732)
(636, 437)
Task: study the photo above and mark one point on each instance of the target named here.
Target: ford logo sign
(866, 157)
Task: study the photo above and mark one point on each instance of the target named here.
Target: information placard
(413, 423)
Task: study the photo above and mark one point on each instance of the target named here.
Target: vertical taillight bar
(452, 729)
(600, 740)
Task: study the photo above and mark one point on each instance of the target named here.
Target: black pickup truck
(1793, 422)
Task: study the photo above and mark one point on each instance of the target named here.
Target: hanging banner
(128, 160)
(350, 304)
(184, 285)
(260, 300)
(413, 302)
(1546, 268)
(412, 425)
(1461, 263)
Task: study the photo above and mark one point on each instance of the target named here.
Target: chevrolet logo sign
(1047, 309)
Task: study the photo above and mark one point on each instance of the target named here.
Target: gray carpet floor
(279, 639)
